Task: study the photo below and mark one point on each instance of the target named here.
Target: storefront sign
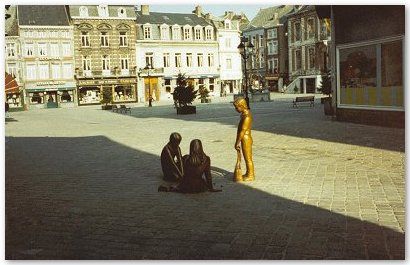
(50, 83)
(106, 82)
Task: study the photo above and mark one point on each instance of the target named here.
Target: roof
(301, 9)
(171, 19)
(11, 25)
(112, 11)
(42, 15)
(266, 17)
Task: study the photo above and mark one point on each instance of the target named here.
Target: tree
(326, 88)
(203, 92)
(106, 96)
(184, 93)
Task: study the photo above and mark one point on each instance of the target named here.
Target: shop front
(122, 90)
(14, 97)
(50, 95)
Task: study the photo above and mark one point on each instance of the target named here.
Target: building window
(211, 84)
(11, 49)
(310, 29)
(274, 47)
(311, 55)
(42, 49)
(168, 85)
(177, 60)
(298, 60)
(122, 12)
(189, 59)
(86, 63)
(176, 33)
(200, 60)
(147, 32)
(270, 48)
(31, 72)
(198, 34)
(55, 71)
(66, 49)
(261, 60)
(372, 75)
(275, 66)
(272, 33)
(228, 42)
(209, 33)
(261, 41)
(325, 28)
(228, 63)
(54, 50)
(36, 98)
(123, 39)
(67, 96)
(270, 66)
(103, 10)
(296, 30)
(85, 39)
(105, 64)
(12, 69)
(67, 70)
(166, 59)
(43, 71)
(164, 33)
(227, 24)
(149, 59)
(187, 33)
(83, 11)
(124, 63)
(210, 59)
(104, 39)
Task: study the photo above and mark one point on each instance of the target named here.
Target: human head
(175, 139)
(240, 104)
(196, 152)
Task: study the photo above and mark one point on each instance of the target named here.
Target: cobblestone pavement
(82, 183)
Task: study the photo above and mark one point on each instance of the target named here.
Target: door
(151, 88)
(310, 85)
(52, 99)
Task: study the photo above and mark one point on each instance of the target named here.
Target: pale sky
(217, 10)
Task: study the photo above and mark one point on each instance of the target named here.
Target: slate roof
(301, 9)
(266, 17)
(11, 25)
(93, 10)
(42, 15)
(171, 19)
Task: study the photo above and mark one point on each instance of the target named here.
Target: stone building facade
(104, 45)
(47, 56)
(173, 43)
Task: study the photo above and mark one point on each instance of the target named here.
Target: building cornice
(45, 27)
(102, 18)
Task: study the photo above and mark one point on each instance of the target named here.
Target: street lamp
(245, 46)
(147, 68)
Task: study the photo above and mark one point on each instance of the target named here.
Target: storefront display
(14, 100)
(89, 95)
(123, 93)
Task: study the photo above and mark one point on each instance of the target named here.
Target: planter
(261, 96)
(186, 110)
(205, 100)
(328, 107)
(106, 107)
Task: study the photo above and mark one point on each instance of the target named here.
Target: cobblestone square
(82, 183)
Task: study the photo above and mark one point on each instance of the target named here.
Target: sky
(217, 10)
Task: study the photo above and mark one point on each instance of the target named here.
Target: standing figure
(244, 138)
(171, 159)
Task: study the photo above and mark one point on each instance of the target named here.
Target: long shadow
(279, 117)
(92, 198)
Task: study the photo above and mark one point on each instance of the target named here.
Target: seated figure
(197, 172)
(171, 159)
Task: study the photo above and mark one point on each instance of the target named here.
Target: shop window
(14, 100)
(36, 98)
(67, 96)
(89, 95)
(211, 84)
(392, 74)
(123, 93)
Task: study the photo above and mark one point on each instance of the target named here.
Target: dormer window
(122, 12)
(83, 11)
(187, 33)
(176, 33)
(147, 32)
(103, 11)
(209, 33)
(227, 24)
(198, 33)
(164, 32)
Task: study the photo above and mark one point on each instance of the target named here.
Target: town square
(291, 124)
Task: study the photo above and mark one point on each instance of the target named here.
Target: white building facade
(171, 44)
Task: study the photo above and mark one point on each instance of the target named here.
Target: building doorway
(310, 85)
(52, 99)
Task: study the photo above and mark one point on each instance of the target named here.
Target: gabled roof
(266, 17)
(171, 19)
(112, 11)
(42, 15)
(301, 9)
(11, 25)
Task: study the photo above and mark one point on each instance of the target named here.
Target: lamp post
(149, 67)
(243, 47)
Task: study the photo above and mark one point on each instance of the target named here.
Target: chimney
(198, 10)
(145, 9)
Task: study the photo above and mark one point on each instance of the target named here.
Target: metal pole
(149, 91)
(246, 78)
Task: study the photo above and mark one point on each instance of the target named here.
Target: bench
(307, 99)
(125, 109)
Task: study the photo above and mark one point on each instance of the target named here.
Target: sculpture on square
(244, 142)
(171, 159)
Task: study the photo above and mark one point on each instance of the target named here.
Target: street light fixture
(149, 67)
(245, 49)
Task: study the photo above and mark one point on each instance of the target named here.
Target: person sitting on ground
(171, 159)
(197, 165)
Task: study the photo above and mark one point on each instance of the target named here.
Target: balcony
(106, 73)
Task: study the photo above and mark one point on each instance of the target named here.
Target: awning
(11, 85)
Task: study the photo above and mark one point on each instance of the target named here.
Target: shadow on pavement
(92, 198)
(278, 117)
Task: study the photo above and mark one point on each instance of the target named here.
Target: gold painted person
(171, 159)
(244, 141)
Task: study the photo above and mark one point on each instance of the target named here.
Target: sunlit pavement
(82, 183)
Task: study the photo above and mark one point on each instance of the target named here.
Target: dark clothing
(196, 178)
(171, 163)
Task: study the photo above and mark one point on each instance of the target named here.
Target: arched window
(122, 12)
(83, 11)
